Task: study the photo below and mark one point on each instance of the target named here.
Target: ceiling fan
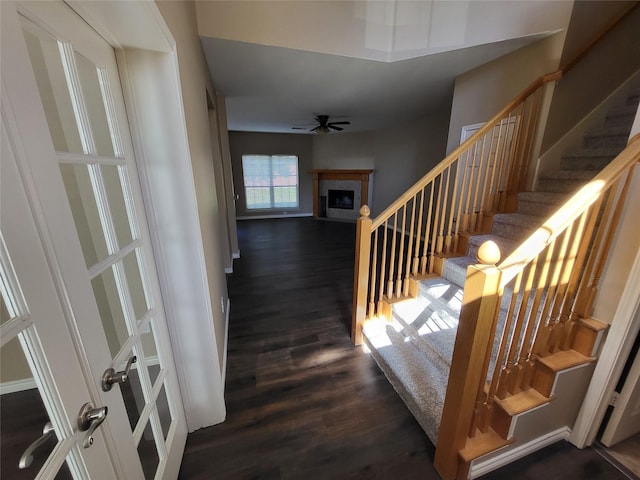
(324, 125)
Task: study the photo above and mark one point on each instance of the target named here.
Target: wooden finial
(364, 211)
(489, 253)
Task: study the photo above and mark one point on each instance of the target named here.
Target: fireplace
(341, 199)
(339, 194)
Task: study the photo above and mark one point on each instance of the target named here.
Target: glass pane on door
(90, 81)
(84, 208)
(23, 418)
(44, 51)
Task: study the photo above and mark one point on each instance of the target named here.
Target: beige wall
(241, 143)
(480, 93)
(607, 66)
(195, 82)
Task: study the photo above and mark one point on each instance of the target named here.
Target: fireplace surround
(357, 181)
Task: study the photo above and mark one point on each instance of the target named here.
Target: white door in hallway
(66, 122)
(625, 419)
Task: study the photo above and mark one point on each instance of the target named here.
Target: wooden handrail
(594, 41)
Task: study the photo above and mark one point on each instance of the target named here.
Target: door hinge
(614, 399)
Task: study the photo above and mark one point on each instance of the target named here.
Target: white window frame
(271, 186)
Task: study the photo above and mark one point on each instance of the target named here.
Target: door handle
(110, 376)
(27, 457)
(89, 419)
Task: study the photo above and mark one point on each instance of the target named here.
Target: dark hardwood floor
(302, 402)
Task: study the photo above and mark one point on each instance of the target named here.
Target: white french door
(67, 131)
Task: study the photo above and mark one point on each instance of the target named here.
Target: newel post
(361, 274)
(479, 304)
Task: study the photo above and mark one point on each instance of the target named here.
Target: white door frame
(148, 63)
(615, 351)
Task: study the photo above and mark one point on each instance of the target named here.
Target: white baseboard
(17, 386)
(265, 217)
(481, 467)
(228, 270)
(236, 255)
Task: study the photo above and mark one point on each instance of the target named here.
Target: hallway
(302, 402)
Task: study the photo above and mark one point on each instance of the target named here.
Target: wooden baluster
(509, 158)
(462, 165)
(545, 315)
(392, 259)
(586, 296)
(401, 257)
(480, 302)
(416, 258)
(407, 270)
(521, 162)
(477, 185)
(484, 194)
(466, 214)
(502, 390)
(427, 231)
(445, 232)
(436, 222)
(440, 213)
(374, 270)
(519, 341)
(497, 165)
(361, 274)
(572, 237)
(502, 165)
(536, 319)
(515, 144)
(383, 266)
(455, 198)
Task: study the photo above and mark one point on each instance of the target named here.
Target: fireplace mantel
(361, 175)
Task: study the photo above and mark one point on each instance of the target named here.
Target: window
(270, 181)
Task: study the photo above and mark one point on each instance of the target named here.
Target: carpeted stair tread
(407, 368)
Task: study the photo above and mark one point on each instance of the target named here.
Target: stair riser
(559, 186)
(602, 141)
(584, 163)
(619, 120)
(515, 232)
(534, 208)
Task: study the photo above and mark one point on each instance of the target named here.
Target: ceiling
(271, 89)
(374, 63)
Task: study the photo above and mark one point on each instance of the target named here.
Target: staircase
(415, 347)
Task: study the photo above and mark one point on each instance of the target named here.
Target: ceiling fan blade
(335, 128)
(315, 129)
(339, 123)
(298, 128)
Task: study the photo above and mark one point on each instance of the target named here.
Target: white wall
(195, 81)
